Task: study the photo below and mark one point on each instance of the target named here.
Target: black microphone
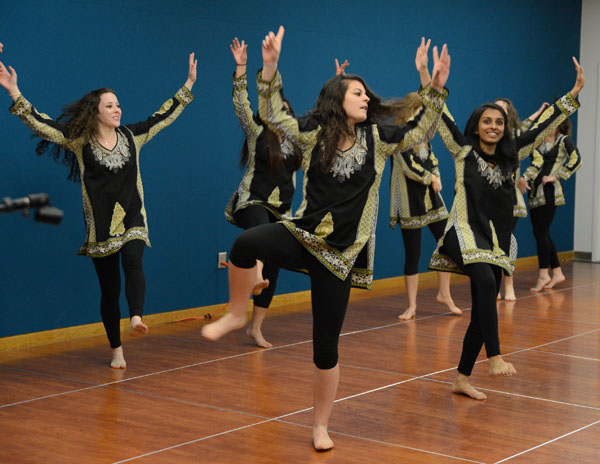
(30, 201)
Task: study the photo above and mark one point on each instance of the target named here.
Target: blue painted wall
(64, 48)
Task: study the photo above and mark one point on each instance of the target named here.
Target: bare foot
(118, 360)
(256, 334)
(408, 314)
(509, 294)
(461, 386)
(556, 279)
(499, 367)
(260, 286)
(226, 324)
(321, 440)
(540, 284)
(137, 326)
(448, 301)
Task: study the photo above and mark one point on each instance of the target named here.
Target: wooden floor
(184, 400)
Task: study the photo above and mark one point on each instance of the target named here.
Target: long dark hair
(80, 120)
(330, 114)
(269, 140)
(506, 153)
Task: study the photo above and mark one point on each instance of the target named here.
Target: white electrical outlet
(222, 260)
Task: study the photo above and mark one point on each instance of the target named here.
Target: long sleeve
(169, 111)
(412, 169)
(549, 120)
(451, 135)
(568, 169)
(243, 110)
(418, 129)
(41, 124)
(533, 170)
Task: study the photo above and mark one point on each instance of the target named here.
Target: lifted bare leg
(444, 296)
(241, 282)
(261, 283)
(254, 330)
(462, 386)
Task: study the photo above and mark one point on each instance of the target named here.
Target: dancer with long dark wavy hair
(478, 239)
(345, 146)
(103, 156)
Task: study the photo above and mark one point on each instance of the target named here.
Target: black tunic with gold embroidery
(111, 184)
(260, 185)
(337, 218)
(560, 159)
(413, 202)
(484, 198)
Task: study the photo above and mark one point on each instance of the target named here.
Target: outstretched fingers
(441, 67)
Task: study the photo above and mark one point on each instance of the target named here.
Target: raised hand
(239, 52)
(191, 72)
(579, 81)
(421, 60)
(441, 68)
(271, 47)
(8, 80)
(340, 68)
(1, 47)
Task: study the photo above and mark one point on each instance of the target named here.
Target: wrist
(240, 64)
(267, 65)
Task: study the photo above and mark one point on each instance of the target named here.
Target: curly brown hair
(80, 121)
(330, 114)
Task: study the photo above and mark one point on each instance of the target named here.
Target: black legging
(412, 245)
(483, 329)
(109, 277)
(273, 243)
(248, 218)
(541, 220)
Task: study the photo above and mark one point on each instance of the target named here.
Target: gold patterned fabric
(111, 183)
(484, 198)
(413, 202)
(261, 185)
(560, 159)
(337, 217)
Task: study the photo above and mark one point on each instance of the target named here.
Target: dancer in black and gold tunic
(554, 160)
(104, 156)
(267, 188)
(478, 240)
(416, 202)
(516, 128)
(332, 235)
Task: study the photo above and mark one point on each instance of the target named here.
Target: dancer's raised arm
(8, 80)
(189, 83)
(271, 49)
(240, 56)
(340, 68)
